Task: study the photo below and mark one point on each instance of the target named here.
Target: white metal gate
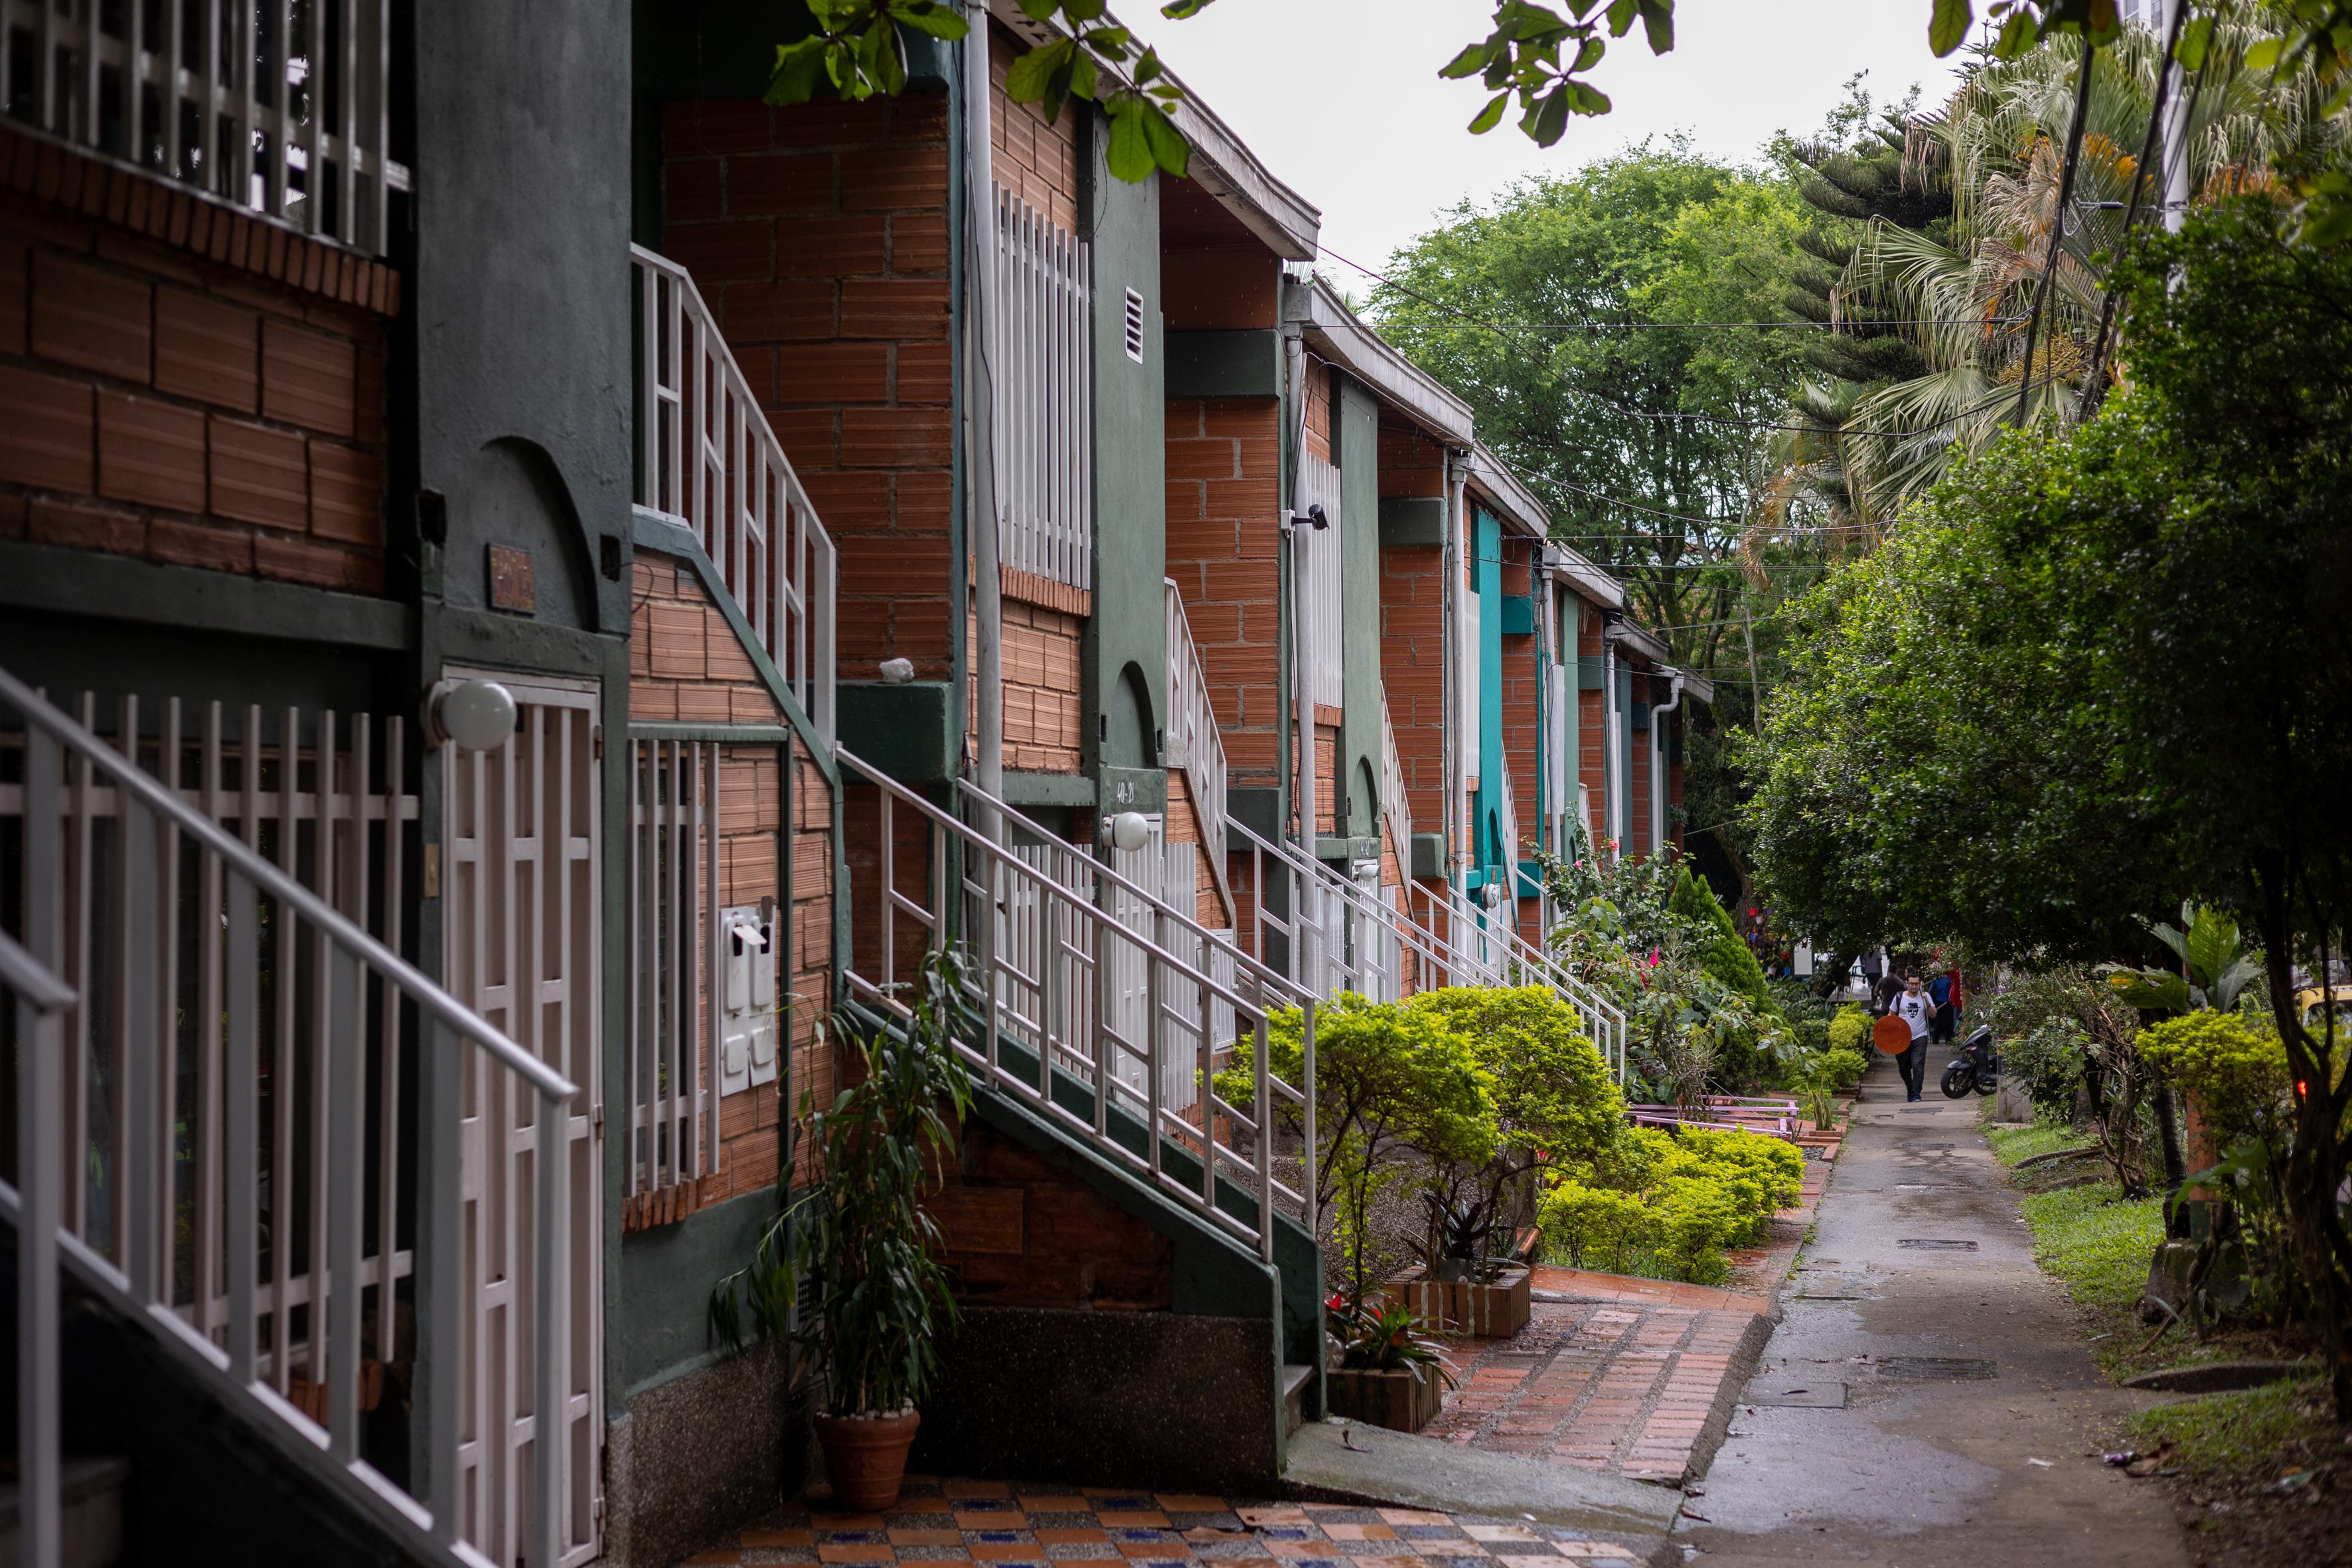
(522, 934)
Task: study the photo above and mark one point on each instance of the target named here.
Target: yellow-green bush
(1669, 1204)
(2236, 1072)
(1850, 1030)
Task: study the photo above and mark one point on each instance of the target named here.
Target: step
(89, 1510)
(1294, 1395)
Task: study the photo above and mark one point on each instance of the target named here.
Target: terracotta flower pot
(866, 1456)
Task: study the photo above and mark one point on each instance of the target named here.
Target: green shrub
(1844, 1067)
(1595, 1227)
(2235, 1072)
(1850, 1030)
(1553, 1090)
(1697, 1219)
(1726, 956)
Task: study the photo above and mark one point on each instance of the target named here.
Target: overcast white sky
(1342, 101)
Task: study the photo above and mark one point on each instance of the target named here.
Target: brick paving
(1621, 1373)
(1029, 1526)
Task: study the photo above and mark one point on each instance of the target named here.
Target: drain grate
(1921, 1243)
(1921, 1110)
(1938, 1369)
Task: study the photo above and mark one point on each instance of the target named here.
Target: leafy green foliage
(1537, 54)
(859, 1238)
(2234, 1071)
(1727, 956)
(2240, 1436)
(2096, 1243)
(1385, 1337)
(2217, 967)
(856, 51)
(1850, 1030)
(1670, 1205)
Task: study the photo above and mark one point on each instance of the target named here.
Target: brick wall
(1019, 1231)
(164, 395)
(1412, 630)
(1219, 288)
(1224, 492)
(686, 665)
(1042, 713)
(1182, 824)
(1037, 160)
(1319, 409)
(819, 235)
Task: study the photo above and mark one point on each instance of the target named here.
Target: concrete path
(1927, 1399)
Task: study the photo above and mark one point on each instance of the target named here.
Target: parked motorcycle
(1978, 1067)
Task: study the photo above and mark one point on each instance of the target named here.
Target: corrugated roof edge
(1588, 578)
(1339, 335)
(1221, 163)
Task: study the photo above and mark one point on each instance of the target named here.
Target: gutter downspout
(1612, 763)
(1295, 533)
(1658, 712)
(1457, 677)
(980, 254)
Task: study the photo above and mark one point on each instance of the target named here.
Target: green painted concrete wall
(1486, 581)
(1124, 665)
(1356, 443)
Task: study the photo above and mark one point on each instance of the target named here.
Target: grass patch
(2239, 1436)
(2099, 1243)
(2010, 1144)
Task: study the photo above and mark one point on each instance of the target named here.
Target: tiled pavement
(1017, 1526)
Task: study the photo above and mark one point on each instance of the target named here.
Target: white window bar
(673, 919)
(1019, 981)
(231, 930)
(1041, 372)
(277, 106)
(1395, 804)
(1319, 486)
(709, 462)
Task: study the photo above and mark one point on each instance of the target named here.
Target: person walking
(1913, 1007)
(1943, 996)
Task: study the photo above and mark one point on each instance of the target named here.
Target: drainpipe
(1611, 765)
(1295, 533)
(979, 398)
(1458, 675)
(1658, 712)
(2176, 135)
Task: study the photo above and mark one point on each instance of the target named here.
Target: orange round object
(1891, 1035)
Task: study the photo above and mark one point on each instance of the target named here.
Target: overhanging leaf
(1949, 27)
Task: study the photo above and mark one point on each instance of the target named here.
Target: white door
(519, 918)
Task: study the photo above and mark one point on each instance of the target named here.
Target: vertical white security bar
(442, 1240)
(170, 1113)
(241, 1146)
(207, 1120)
(211, 90)
(40, 1094)
(135, 83)
(348, 227)
(704, 1077)
(314, 103)
(322, 1047)
(282, 1076)
(45, 69)
(279, 60)
(388, 1063)
(137, 1026)
(335, 1292)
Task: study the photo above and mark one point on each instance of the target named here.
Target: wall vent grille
(1135, 326)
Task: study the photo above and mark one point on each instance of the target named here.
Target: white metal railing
(1318, 485)
(279, 107)
(1338, 934)
(219, 990)
(1195, 743)
(1509, 814)
(674, 882)
(1041, 370)
(1395, 804)
(709, 463)
(40, 1004)
(940, 883)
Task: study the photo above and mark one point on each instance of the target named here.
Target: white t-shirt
(1913, 1010)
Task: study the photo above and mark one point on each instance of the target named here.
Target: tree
(2093, 673)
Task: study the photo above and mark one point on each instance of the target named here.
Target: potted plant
(859, 1244)
(1388, 1374)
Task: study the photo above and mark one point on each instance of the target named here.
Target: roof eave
(1341, 336)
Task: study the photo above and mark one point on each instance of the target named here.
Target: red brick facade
(686, 665)
(1224, 497)
(1412, 630)
(818, 233)
(1019, 1231)
(184, 384)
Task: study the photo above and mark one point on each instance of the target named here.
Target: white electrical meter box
(747, 945)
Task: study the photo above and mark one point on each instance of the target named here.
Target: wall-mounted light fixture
(478, 715)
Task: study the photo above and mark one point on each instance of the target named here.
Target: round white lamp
(479, 715)
(1129, 831)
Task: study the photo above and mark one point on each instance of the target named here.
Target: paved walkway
(1927, 1399)
(1017, 1526)
(1634, 1377)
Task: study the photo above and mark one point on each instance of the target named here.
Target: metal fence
(279, 107)
(1049, 1002)
(1325, 620)
(211, 917)
(709, 462)
(1195, 743)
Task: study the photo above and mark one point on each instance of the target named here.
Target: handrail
(710, 462)
(1193, 728)
(336, 1022)
(428, 995)
(991, 879)
(1394, 803)
(42, 1000)
(1407, 933)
